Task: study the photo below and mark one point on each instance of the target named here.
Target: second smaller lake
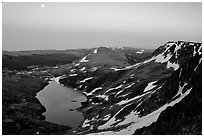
(60, 102)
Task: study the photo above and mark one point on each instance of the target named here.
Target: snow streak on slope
(95, 51)
(73, 75)
(93, 91)
(82, 69)
(113, 89)
(150, 86)
(137, 97)
(105, 97)
(84, 59)
(125, 88)
(139, 122)
(82, 81)
(140, 52)
(172, 65)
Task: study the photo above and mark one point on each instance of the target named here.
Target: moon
(42, 5)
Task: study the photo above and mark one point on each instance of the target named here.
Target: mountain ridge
(156, 70)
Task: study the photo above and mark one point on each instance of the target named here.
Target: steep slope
(124, 99)
(186, 116)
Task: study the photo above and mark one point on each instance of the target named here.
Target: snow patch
(112, 120)
(180, 90)
(140, 52)
(125, 88)
(77, 64)
(113, 88)
(105, 97)
(82, 81)
(175, 66)
(198, 64)
(55, 67)
(95, 51)
(150, 86)
(106, 117)
(91, 93)
(128, 67)
(73, 70)
(162, 59)
(94, 69)
(71, 75)
(84, 59)
(85, 124)
(57, 79)
(82, 69)
(43, 71)
(200, 50)
(194, 50)
(134, 98)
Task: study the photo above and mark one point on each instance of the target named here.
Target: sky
(69, 25)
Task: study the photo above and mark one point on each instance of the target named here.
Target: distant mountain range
(18, 60)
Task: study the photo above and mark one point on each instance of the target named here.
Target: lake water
(59, 102)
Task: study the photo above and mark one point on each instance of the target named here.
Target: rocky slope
(125, 98)
(184, 117)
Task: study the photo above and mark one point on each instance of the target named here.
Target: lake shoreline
(22, 111)
(61, 105)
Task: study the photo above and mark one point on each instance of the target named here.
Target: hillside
(23, 60)
(122, 99)
(128, 92)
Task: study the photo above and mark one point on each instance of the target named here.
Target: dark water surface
(58, 100)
